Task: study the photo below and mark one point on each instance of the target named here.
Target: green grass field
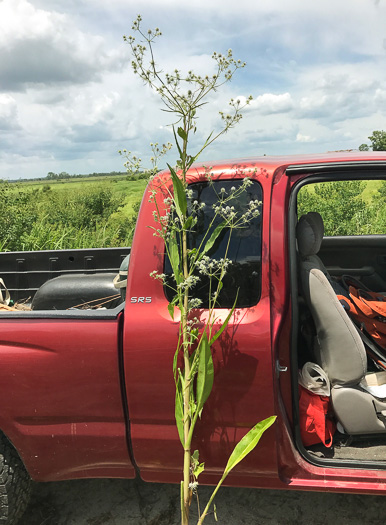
(71, 213)
(118, 185)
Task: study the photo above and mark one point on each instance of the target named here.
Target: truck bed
(24, 272)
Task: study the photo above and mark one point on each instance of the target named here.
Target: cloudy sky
(69, 101)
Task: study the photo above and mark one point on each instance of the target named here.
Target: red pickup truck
(90, 393)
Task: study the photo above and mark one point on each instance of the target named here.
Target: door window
(242, 246)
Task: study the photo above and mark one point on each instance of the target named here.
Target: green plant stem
(185, 510)
(206, 510)
(187, 391)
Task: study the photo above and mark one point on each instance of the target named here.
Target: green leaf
(174, 256)
(191, 160)
(194, 459)
(197, 471)
(179, 410)
(212, 239)
(197, 467)
(177, 144)
(225, 323)
(188, 223)
(248, 443)
(205, 372)
(193, 361)
(171, 310)
(182, 134)
(179, 193)
(208, 139)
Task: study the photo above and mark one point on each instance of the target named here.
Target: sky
(69, 99)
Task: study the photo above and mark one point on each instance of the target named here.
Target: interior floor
(364, 448)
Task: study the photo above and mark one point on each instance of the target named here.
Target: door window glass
(242, 246)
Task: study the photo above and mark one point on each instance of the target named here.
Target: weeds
(47, 219)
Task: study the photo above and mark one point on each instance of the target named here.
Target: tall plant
(183, 95)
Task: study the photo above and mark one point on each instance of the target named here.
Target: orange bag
(367, 308)
(315, 424)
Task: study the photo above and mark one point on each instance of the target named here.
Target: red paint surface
(60, 386)
(60, 397)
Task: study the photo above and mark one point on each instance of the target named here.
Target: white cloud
(304, 138)
(8, 113)
(313, 103)
(42, 47)
(380, 96)
(269, 103)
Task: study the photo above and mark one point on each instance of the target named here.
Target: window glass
(348, 207)
(243, 275)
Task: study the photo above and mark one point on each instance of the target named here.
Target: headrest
(309, 233)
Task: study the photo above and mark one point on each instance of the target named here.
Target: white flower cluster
(193, 486)
(159, 276)
(192, 322)
(212, 267)
(188, 283)
(252, 211)
(152, 194)
(195, 302)
(226, 212)
(162, 219)
(196, 206)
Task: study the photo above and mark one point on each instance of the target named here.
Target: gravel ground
(123, 502)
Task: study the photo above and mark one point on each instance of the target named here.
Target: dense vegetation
(102, 213)
(347, 207)
(69, 215)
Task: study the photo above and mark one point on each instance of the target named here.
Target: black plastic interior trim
(329, 167)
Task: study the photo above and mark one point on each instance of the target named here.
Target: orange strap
(368, 303)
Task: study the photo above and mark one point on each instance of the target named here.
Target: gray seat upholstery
(338, 348)
(309, 234)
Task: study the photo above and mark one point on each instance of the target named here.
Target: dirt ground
(122, 502)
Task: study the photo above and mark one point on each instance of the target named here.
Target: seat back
(339, 349)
